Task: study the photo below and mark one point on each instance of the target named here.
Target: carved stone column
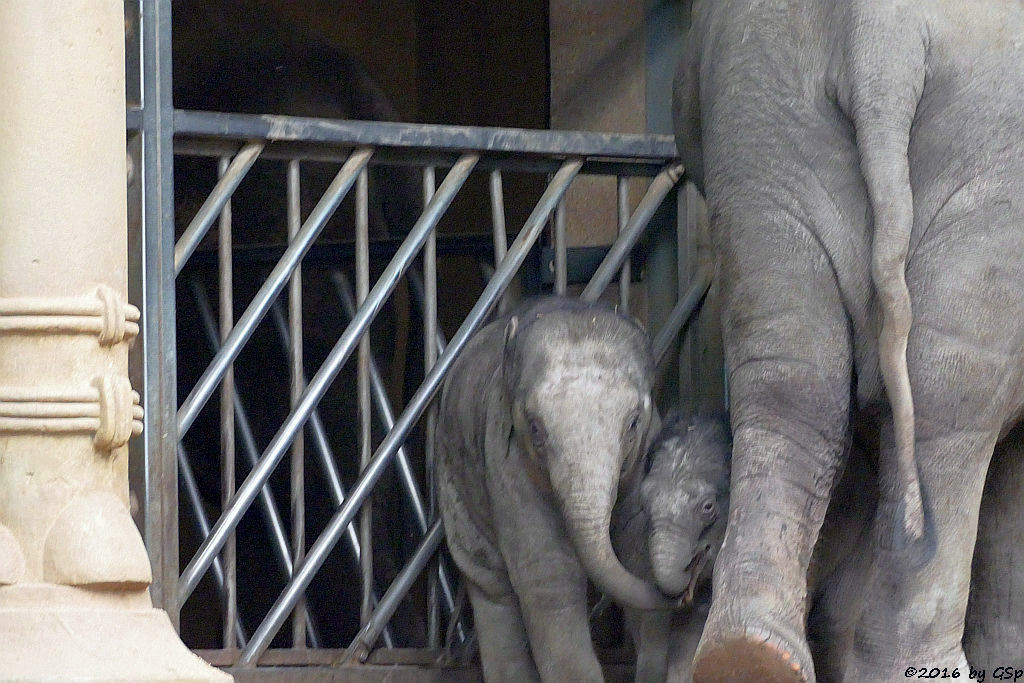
(74, 574)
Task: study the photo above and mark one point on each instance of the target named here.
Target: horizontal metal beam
(416, 157)
(454, 139)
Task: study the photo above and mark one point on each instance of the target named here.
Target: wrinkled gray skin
(669, 527)
(863, 165)
(543, 414)
(688, 466)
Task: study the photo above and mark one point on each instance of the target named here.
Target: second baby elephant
(542, 419)
(669, 526)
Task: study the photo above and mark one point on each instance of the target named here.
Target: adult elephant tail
(884, 71)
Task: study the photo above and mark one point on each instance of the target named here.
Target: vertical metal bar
(561, 257)
(623, 205)
(656, 193)
(367, 636)
(319, 551)
(498, 225)
(429, 358)
(279, 540)
(322, 448)
(227, 414)
(297, 384)
(273, 285)
(318, 386)
(363, 390)
(187, 480)
(229, 179)
(681, 312)
(156, 472)
(686, 262)
(387, 419)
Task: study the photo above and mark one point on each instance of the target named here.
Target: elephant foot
(748, 653)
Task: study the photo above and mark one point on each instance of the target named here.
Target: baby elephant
(542, 418)
(670, 526)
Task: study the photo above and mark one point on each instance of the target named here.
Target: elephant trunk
(675, 557)
(588, 527)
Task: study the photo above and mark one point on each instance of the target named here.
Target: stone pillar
(74, 574)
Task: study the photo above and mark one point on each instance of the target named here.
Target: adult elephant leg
(994, 629)
(789, 353)
(964, 359)
(915, 604)
(499, 627)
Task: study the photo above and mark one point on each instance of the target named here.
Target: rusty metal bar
(296, 384)
(219, 196)
(656, 193)
(225, 289)
(658, 149)
(323, 378)
(387, 449)
(324, 209)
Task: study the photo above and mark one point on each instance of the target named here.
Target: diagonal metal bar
(187, 480)
(617, 255)
(276, 281)
(322, 447)
(268, 504)
(389, 446)
(343, 289)
(219, 196)
(387, 418)
(325, 375)
(367, 636)
(321, 444)
(682, 311)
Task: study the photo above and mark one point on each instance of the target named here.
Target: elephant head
(578, 388)
(685, 493)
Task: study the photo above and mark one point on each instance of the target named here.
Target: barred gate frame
(156, 132)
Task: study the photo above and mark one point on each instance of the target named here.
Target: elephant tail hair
(883, 90)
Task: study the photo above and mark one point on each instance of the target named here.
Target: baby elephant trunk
(676, 559)
(588, 526)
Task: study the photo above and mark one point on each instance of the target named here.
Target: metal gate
(166, 270)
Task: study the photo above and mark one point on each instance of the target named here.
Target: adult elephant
(863, 162)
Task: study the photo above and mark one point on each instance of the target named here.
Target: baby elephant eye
(708, 510)
(634, 423)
